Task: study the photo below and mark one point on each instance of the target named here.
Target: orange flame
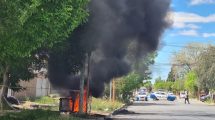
(74, 105)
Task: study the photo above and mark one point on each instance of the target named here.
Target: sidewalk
(194, 101)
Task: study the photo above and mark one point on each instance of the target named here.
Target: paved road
(165, 110)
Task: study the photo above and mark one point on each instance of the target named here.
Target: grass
(46, 100)
(36, 115)
(100, 105)
(104, 105)
(210, 101)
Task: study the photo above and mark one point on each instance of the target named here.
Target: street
(166, 110)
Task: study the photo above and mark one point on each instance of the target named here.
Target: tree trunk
(4, 89)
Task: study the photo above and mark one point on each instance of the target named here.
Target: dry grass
(103, 105)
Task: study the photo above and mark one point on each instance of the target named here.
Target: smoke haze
(113, 26)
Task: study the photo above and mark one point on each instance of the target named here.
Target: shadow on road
(123, 111)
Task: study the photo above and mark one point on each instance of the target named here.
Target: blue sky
(194, 21)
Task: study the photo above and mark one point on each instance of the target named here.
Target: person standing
(186, 98)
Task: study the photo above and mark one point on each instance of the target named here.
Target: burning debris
(113, 26)
(71, 104)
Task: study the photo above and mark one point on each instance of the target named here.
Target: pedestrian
(186, 97)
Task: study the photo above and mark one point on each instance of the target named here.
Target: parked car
(142, 96)
(171, 96)
(204, 97)
(170, 93)
(182, 95)
(153, 96)
(160, 95)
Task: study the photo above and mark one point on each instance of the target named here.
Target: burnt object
(71, 103)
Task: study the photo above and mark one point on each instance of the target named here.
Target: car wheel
(146, 99)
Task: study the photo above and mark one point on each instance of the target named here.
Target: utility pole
(88, 78)
(81, 92)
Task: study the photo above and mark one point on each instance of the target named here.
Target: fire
(74, 104)
(71, 104)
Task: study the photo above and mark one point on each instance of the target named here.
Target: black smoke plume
(113, 26)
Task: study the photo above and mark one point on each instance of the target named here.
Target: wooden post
(114, 90)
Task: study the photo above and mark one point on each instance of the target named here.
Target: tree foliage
(159, 83)
(191, 82)
(206, 69)
(171, 76)
(178, 86)
(27, 25)
(134, 80)
(127, 84)
(148, 85)
(184, 64)
(186, 59)
(162, 84)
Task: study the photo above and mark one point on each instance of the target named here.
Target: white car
(160, 95)
(142, 96)
(170, 93)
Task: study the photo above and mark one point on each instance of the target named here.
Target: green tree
(159, 83)
(148, 85)
(191, 82)
(134, 80)
(169, 85)
(129, 83)
(162, 84)
(205, 69)
(27, 25)
(171, 76)
(186, 59)
(178, 86)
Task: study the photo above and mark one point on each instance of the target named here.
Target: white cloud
(189, 20)
(206, 35)
(192, 33)
(183, 17)
(192, 26)
(188, 24)
(198, 2)
(184, 25)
